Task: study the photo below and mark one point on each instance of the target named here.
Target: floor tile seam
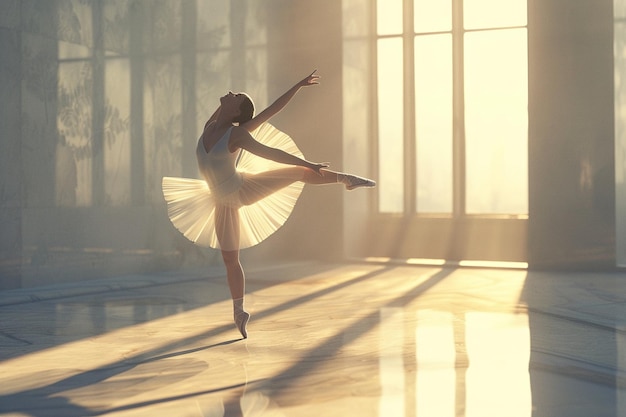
(105, 285)
(94, 288)
(584, 319)
(544, 359)
(576, 368)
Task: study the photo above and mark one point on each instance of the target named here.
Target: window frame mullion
(410, 168)
(458, 111)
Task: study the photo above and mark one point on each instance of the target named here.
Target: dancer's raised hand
(281, 102)
(311, 79)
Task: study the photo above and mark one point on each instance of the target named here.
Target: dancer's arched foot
(354, 181)
(241, 321)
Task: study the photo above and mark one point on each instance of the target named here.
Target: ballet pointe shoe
(241, 321)
(353, 181)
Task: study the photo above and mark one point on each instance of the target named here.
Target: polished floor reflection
(342, 339)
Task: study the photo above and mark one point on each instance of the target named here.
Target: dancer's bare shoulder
(239, 138)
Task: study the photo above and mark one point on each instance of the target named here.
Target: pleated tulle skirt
(244, 218)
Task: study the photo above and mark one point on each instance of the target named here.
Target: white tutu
(192, 207)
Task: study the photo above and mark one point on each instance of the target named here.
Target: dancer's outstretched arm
(281, 102)
(241, 138)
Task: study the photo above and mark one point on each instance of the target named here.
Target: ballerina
(253, 175)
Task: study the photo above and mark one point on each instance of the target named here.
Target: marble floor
(345, 339)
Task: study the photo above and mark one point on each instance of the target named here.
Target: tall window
(135, 82)
(452, 107)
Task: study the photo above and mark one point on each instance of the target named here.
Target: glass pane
(213, 28)
(496, 121)
(619, 83)
(619, 13)
(355, 18)
(256, 76)
(74, 157)
(117, 133)
(255, 22)
(432, 15)
(389, 17)
(163, 143)
(433, 122)
(390, 126)
(212, 81)
(479, 14)
(116, 33)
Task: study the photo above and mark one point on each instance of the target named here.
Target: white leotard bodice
(202, 208)
(218, 166)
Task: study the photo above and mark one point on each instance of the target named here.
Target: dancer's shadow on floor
(129, 377)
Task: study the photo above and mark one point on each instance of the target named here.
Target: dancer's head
(246, 109)
(241, 106)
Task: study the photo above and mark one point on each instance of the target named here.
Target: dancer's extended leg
(327, 176)
(259, 186)
(354, 181)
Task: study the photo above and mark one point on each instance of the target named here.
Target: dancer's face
(232, 100)
(239, 106)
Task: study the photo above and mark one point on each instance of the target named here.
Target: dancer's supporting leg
(255, 188)
(227, 230)
(236, 284)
